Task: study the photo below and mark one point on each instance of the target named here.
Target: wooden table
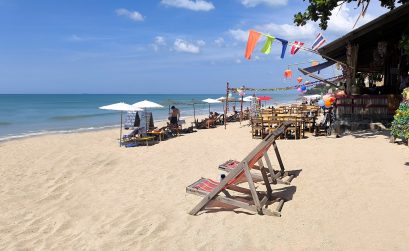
(146, 139)
(160, 134)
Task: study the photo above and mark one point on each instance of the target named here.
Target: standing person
(174, 116)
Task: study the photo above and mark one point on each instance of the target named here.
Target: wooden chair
(295, 127)
(257, 127)
(274, 176)
(246, 198)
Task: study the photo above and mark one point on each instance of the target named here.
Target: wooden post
(120, 133)
(352, 59)
(225, 105)
(194, 111)
(241, 109)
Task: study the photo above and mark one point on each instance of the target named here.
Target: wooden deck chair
(257, 200)
(274, 176)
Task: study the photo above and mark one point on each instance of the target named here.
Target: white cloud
(239, 35)
(342, 20)
(133, 15)
(76, 38)
(289, 31)
(219, 41)
(253, 3)
(238, 61)
(184, 46)
(195, 5)
(158, 42)
(200, 42)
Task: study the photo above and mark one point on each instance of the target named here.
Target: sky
(155, 46)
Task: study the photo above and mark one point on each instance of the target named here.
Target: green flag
(267, 45)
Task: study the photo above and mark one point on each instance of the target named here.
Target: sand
(81, 191)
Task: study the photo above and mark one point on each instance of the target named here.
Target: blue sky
(155, 46)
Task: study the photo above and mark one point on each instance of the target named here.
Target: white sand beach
(82, 192)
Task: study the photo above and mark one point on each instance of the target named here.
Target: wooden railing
(372, 107)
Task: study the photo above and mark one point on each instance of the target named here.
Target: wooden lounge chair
(205, 123)
(274, 176)
(234, 117)
(252, 200)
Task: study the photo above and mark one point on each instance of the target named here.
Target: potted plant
(400, 124)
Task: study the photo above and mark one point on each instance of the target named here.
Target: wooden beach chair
(274, 176)
(250, 199)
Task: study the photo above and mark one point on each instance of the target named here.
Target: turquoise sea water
(23, 115)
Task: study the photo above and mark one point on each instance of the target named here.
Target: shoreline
(158, 123)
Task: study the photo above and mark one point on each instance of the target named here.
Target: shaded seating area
(238, 188)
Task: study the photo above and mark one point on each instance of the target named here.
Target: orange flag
(251, 43)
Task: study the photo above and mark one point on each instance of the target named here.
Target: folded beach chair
(250, 199)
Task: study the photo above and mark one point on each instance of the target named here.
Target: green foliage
(321, 10)
(400, 124)
(318, 89)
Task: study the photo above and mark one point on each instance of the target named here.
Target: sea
(26, 115)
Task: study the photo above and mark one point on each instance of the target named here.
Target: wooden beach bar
(374, 63)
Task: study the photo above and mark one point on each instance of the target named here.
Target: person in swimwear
(174, 116)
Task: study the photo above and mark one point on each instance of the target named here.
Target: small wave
(72, 117)
(3, 123)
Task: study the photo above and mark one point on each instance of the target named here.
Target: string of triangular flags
(306, 84)
(254, 36)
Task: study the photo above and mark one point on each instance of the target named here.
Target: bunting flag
(254, 36)
(267, 45)
(251, 43)
(296, 46)
(284, 43)
(319, 41)
(306, 84)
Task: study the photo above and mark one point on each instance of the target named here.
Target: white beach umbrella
(211, 101)
(249, 99)
(120, 107)
(312, 96)
(146, 104)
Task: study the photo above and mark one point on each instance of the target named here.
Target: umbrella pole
(225, 107)
(146, 122)
(241, 109)
(194, 112)
(209, 110)
(120, 133)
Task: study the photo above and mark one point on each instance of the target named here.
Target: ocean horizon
(25, 115)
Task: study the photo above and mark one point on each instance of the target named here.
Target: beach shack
(373, 62)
